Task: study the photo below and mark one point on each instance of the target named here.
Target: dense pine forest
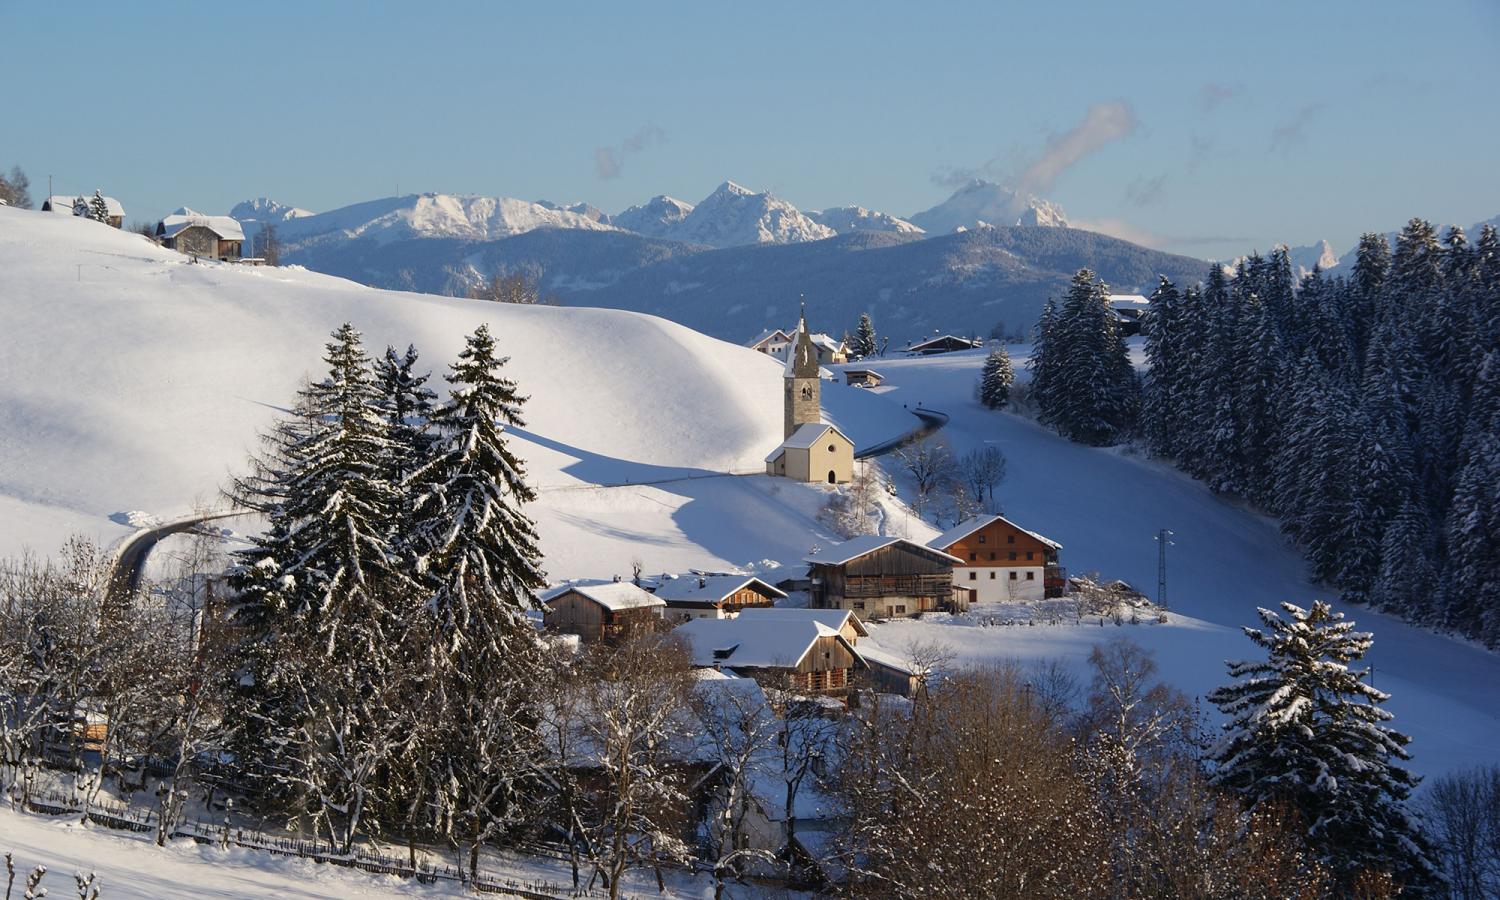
(1363, 410)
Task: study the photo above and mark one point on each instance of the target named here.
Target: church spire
(803, 392)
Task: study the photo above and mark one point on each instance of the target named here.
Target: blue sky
(1228, 126)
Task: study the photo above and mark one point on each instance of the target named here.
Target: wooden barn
(601, 611)
(793, 653)
(1001, 561)
(715, 596)
(878, 577)
(209, 237)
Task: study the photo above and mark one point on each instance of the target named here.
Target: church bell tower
(802, 388)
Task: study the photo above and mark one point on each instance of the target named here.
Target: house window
(1010, 539)
(859, 604)
(1013, 576)
(1031, 576)
(901, 610)
(973, 576)
(992, 576)
(973, 556)
(1012, 554)
(992, 554)
(1029, 554)
(981, 539)
(831, 448)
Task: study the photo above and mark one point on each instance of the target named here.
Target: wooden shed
(879, 576)
(863, 378)
(601, 611)
(715, 596)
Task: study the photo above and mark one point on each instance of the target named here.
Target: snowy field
(1104, 507)
(132, 380)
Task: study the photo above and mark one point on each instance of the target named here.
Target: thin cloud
(1214, 95)
(1146, 191)
(1294, 130)
(1103, 124)
(1128, 231)
(609, 161)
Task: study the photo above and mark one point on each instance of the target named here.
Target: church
(811, 450)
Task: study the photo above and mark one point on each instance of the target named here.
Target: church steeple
(803, 389)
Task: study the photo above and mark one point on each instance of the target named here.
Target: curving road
(130, 562)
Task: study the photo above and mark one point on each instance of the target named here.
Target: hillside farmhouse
(877, 576)
(771, 343)
(78, 205)
(211, 237)
(1001, 561)
(601, 611)
(797, 653)
(714, 596)
(776, 342)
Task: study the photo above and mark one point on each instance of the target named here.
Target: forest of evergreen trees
(1363, 410)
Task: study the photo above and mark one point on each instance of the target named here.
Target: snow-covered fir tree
(1306, 729)
(406, 405)
(98, 209)
(863, 345)
(995, 379)
(1089, 391)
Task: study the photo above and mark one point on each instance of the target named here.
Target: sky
(1204, 128)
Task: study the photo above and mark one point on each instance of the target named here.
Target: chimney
(702, 582)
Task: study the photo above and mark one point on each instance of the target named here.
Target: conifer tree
(995, 380)
(1161, 397)
(1306, 730)
(406, 405)
(1043, 361)
(863, 345)
(98, 209)
(1090, 391)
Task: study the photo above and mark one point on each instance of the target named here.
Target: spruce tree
(406, 405)
(863, 345)
(1161, 397)
(1306, 730)
(98, 209)
(1091, 392)
(1043, 360)
(995, 380)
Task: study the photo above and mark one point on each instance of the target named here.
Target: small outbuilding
(866, 378)
(601, 611)
(815, 452)
(210, 237)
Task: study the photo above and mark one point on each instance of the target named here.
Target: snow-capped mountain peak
(734, 215)
(846, 219)
(654, 218)
(264, 209)
(984, 202)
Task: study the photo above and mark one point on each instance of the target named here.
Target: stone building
(209, 237)
(811, 449)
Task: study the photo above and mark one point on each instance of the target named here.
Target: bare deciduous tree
(929, 463)
(513, 287)
(1463, 812)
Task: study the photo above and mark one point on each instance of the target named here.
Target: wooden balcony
(864, 586)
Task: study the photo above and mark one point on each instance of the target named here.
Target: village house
(601, 611)
(943, 343)
(811, 449)
(878, 576)
(867, 378)
(885, 672)
(78, 205)
(210, 237)
(798, 654)
(831, 352)
(1001, 561)
(771, 343)
(714, 596)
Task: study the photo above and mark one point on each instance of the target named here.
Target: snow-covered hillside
(846, 219)
(131, 379)
(985, 203)
(1105, 507)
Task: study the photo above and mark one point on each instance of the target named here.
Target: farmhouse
(771, 343)
(776, 342)
(878, 576)
(1001, 561)
(78, 205)
(714, 596)
(798, 654)
(830, 352)
(943, 343)
(211, 237)
(601, 611)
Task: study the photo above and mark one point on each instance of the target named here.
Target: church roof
(802, 359)
(806, 435)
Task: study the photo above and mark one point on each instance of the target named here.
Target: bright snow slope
(131, 379)
(1104, 507)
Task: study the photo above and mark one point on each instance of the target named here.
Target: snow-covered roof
(833, 618)
(857, 370)
(612, 595)
(63, 203)
(969, 526)
(767, 335)
(806, 435)
(943, 339)
(826, 342)
(1128, 301)
(876, 655)
(710, 588)
(854, 548)
(754, 642)
(226, 228)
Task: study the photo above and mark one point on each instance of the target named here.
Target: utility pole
(1163, 541)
